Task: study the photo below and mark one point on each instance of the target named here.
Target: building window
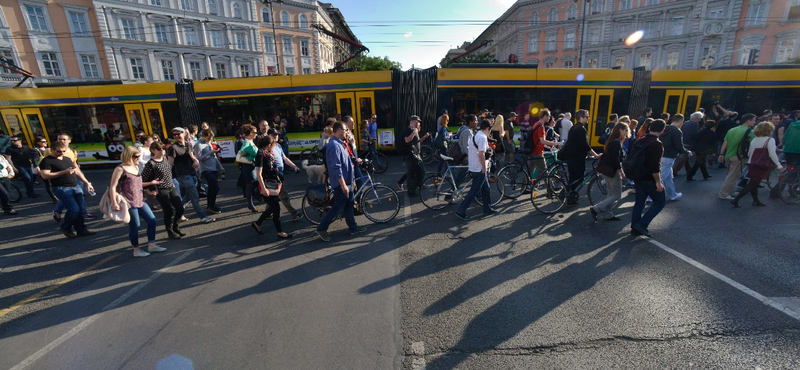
(287, 46)
(653, 2)
(793, 12)
(304, 48)
(212, 7)
(155, 2)
(306, 71)
(237, 11)
(716, 13)
(535, 18)
(625, 4)
(129, 29)
(552, 16)
(786, 51)
(550, 42)
(190, 35)
(597, 6)
(591, 62)
(269, 44)
(673, 58)
(756, 14)
(79, 27)
(241, 41)
(161, 33)
(90, 66)
(676, 26)
(244, 70)
(623, 30)
(50, 64)
(569, 40)
(222, 70)
(168, 70)
(36, 18)
(285, 18)
(303, 21)
(645, 60)
(216, 39)
(137, 69)
(569, 63)
(650, 29)
(195, 71)
(8, 57)
(572, 12)
(746, 51)
(533, 44)
(266, 17)
(187, 5)
(619, 61)
(290, 71)
(549, 63)
(594, 35)
(709, 56)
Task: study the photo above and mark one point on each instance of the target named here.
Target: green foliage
(368, 63)
(485, 57)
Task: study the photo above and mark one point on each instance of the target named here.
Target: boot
(172, 234)
(177, 230)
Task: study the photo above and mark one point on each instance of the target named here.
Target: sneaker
(183, 218)
(69, 234)
(677, 196)
(462, 216)
(358, 230)
(323, 235)
(90, 216)
(208, 220)
(156, 249)
(140, 253)
(214, 210)
(490, 213)
(57, 217)
(400, 186)
(638, 230)
(727, 197)
(593, 212)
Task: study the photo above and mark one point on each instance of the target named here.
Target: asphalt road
(717, 288)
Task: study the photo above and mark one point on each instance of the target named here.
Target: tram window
(585, 102)
(603, 111)
(691, 104)
(346, 107)
(672, 104)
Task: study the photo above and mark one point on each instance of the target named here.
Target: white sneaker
(677, 196)
(140, 253)
(208, 220)
(183, 218)
(156, 249)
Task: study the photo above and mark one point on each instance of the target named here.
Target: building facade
(675, 34)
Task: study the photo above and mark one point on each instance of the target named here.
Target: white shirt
(145, 156)
(482, 144)
(278, 152)
(565, 126)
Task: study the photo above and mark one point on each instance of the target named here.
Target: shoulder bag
(761, 160)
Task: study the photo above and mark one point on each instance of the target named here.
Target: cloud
(408, 34)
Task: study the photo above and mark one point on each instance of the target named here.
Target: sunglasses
(58, 151)
(137, 156)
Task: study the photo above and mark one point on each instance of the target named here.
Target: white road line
(418, 351)
(83, 325)
(791, 312)
(407, 210)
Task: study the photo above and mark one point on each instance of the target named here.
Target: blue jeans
(27, 177)
(341, 203)
(4, 198)
(211, 179)
(357, 173)
(667, 177)
(60, 206)
(177, 186)
(188, 187)
(71, 198)
(136, 215)
(643, 190)
(479, 184)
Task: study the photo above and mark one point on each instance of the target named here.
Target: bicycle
(428, 151)
(438, 191)
(14, 194)
(379, 202)
(518, 178)
(314, 156)
(550, 193)
(380, 161)
(789, 185)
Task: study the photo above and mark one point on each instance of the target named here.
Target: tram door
(598, 103)
(147, 117)
(26, 122)
(360, 105)
(684, 102)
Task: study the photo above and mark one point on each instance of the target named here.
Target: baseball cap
(415, 118)
(178, 129)
(512, 114)
(272, 131)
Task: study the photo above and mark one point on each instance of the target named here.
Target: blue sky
(418, 32)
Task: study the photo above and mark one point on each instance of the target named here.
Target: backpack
(440, 142)
(744, 145)
(634, 164)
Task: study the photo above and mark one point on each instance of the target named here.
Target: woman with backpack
(610, 169)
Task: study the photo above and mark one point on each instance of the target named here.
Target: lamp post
(583, 33)
(274, 35)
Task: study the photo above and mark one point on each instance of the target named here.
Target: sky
(418, 32)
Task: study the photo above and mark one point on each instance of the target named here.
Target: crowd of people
(169, 174)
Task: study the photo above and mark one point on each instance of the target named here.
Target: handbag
(242, 158)
(761, 160)
(274, 187)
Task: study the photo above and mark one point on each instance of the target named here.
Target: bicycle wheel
(549, 194)
(790, 187)
(428, 153)
(515, 179)
(496, 190)
(380, 204)
(436, 193)
(598, 190)
(381, 162)
(14, 194)
(313, 213)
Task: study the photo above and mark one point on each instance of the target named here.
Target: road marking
(83, 325)
(55, 286)
(407, 210)
(418, 351)
(780, 306)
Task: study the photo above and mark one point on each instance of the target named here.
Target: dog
(313, 171)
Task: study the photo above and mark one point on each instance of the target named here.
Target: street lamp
(274, 35)
(583, 33)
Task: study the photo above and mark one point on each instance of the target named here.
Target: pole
(274, 35)
(583, 34)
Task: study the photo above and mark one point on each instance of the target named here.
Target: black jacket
(672, 138)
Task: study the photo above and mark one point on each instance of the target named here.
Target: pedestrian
(66, 139)
(508, 139)
(478, 165)
(442, 139)
(281, 160)
(6, 173)
(341, 178)
(535, 144)
(729, 154)
(350, 145)
(497, 134)
(566, 125)
(269, 184)
(689, 129)
(283, 138)
(372, 127)
(63, 174)
(413, 156)
(672, 140)
(465, 134)
(184, 165)
(126, 180)
(646, 113)
(705, 145)
(20, 158)
(574, 153)
(649, 183)
(157, 168)
(210, 167)
(610, 169)
(763, 131)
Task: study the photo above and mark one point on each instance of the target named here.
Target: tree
(369, 63)
(485, 57)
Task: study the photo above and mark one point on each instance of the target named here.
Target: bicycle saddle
(445, 158)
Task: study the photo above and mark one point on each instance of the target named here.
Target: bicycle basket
(316, 195)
